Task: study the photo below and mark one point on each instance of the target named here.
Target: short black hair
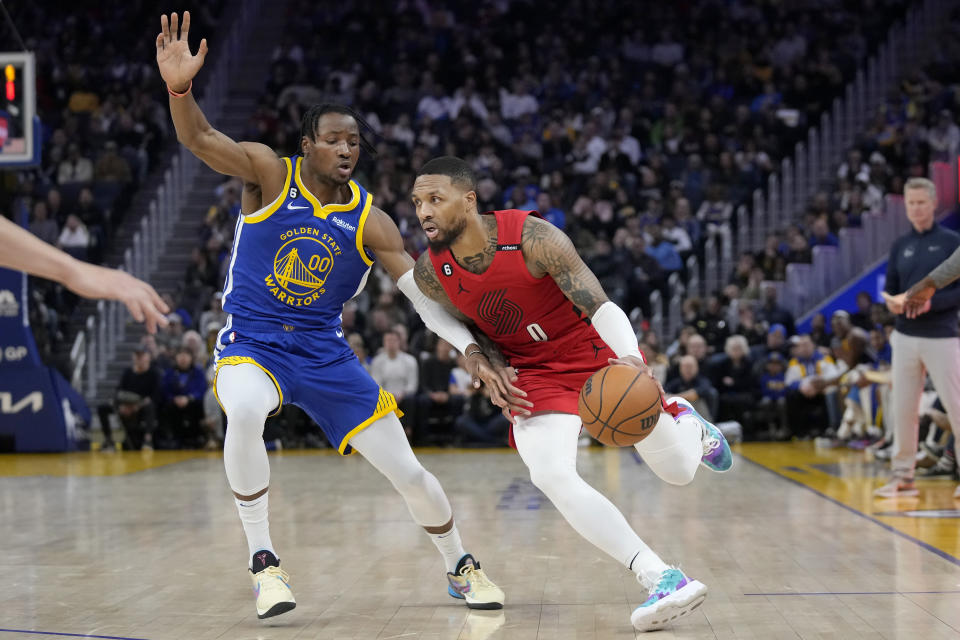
(460, 173)
(311, 118)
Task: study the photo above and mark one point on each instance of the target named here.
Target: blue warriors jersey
(296, 261)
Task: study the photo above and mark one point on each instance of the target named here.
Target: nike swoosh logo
(292, 206)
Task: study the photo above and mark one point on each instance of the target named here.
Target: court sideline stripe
(943, 554)
(850, 593)
(68, 635)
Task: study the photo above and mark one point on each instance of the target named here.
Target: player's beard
(447, 237)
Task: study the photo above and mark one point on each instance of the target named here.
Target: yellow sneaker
(469, 582)
(271, 586)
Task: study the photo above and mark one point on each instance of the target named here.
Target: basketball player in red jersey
(521, 281)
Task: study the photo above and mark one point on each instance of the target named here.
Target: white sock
(647, 566)
(253, 515)
(450, 547)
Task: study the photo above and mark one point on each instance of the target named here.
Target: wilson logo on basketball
(505, 315)
(649, 423)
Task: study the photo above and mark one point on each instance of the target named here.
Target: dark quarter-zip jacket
(912, 257)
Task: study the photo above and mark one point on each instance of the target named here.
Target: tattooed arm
(548, 251)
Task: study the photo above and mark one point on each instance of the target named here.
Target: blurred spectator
(772, 411)
(42, 226)
(861, 317)
(214, 314)
(734, 381)
(809, 374)
(111, 166)
(694, 387)
(438, 401)
(135, 404)
(772, 313)
(75, 168)
(397, 373)
(74, 238)
(181, 414)
(481, 424)
(359, 348)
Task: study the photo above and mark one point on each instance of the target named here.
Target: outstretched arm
(248, 160)
(21, 250)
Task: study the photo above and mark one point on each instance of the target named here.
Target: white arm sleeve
(435, 316)
(615, 329)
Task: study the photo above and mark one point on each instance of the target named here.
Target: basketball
(619, 405)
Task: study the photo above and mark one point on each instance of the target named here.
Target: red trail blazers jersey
(535, 325)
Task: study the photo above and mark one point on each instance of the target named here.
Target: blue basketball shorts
(314, 369)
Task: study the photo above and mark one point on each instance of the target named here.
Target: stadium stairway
(246, 86)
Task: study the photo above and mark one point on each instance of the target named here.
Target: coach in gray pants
(924, 343)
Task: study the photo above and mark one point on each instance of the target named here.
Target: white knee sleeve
(247, 396)
(385, 446)
(548, 445)
(674, 447)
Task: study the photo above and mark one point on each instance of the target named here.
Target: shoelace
(663, 584)
(477, 576)
(273, 572)
(710, 444)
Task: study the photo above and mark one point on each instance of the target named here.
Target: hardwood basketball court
(148, 546)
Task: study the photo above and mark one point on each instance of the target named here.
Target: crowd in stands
(104, 127)
(640, 143)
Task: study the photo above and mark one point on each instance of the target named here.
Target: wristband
(180, 95)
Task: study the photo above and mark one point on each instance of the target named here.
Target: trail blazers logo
(301, 266)
(505, 315)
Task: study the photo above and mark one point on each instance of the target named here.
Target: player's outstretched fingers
(185, 28)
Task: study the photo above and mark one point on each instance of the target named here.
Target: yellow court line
(849, 478)
(91, 463)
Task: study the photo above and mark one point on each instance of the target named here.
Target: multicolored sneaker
(674, 596)
(469, 582)
(271, 586)
(716, 451)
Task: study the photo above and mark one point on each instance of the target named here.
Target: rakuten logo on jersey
(343, 224)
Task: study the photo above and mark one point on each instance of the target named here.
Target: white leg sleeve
(248, 395)
(548, 445)
(385, 446)
(674, 447)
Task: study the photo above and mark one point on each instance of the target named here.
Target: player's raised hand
(177, 65)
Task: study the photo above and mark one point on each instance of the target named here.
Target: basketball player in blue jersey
(304, 245)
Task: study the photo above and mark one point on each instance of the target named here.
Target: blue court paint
(943, 554)
(66, 635)
(795, 469)
(522, 495)
(852, 593)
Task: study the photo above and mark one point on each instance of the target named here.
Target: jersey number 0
(537, 333)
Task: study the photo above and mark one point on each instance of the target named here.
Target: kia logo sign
(33, 400)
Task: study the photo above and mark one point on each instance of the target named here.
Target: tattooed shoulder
(548, 250)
